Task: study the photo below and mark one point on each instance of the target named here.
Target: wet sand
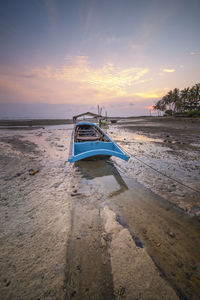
(170, 146)
(100, 229)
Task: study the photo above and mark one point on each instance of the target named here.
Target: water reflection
(102, 175)
(170, 238)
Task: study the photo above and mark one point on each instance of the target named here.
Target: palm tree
(184, 94)
(180, 101)
(197, 94)
(160, 105)
(192, 98)
(169, 100)
(176, 100)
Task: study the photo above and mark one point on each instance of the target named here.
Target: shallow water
(171, 238)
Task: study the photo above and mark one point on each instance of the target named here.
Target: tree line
(186, 101)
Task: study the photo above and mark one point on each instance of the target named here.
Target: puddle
(102, 177)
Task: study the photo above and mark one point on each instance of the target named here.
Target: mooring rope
(158, 171)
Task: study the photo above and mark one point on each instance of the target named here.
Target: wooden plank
(88, 138)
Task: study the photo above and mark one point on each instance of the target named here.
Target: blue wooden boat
(88, 140)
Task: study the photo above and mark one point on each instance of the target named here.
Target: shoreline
(42, 122)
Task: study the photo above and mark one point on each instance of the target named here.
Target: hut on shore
(94, 116)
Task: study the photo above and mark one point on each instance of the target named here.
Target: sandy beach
(104, 229)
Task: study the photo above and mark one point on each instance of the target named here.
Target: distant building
(95, 116)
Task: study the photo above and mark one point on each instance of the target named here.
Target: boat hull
(88, 149)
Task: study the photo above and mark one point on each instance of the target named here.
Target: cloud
(144, 80)
(90, 18)
(10, 85)
(112, 39)
(77, 81)
(168, 70)
(79, 70)
(152, 94)
(106, 81)
(148, 95)
(52, 15)
(195, 52)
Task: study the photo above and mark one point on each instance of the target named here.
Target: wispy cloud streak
(52, 15)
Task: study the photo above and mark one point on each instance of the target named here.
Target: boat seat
(85, 130)
(88, 138)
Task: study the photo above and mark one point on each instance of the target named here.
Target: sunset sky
(59, 57)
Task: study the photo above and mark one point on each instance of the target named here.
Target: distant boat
(88, 140)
